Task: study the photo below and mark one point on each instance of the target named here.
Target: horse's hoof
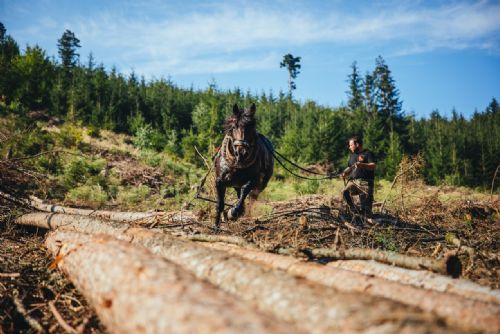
(232, 214)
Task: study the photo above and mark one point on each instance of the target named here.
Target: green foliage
(9, 78)
(152, 158)
(393, 157)
(306, 187)
(148, 138)
(133, 194)
(50, 164)
(67, 46)
(292, 64)
(70, 135)
(385, 240)
(82, 171)
(94, 132)
(35, 72)
(91, 195)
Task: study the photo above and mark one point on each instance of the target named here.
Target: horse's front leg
(221, 192)
(239, 209)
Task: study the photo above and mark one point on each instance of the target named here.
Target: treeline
(162, 116)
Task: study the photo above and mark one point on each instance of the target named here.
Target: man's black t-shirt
(360, 173)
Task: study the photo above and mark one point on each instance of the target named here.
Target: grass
(293, 187)
(90, 195)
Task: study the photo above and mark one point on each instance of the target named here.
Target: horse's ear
(252, 110)
(236, 110)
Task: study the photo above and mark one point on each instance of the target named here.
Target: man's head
(355, 144)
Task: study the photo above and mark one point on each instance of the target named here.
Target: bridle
(243, 143)
(230, 144)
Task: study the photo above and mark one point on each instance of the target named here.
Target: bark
(308, 306)
(134, 291)
(459, 310)
(450, 265)
(424, 279)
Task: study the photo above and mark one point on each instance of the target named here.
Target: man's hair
(356, 139)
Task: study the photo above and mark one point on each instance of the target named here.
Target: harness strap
(243, 143)
(228, 154)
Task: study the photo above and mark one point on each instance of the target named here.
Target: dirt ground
(28, 288)
(430, 229)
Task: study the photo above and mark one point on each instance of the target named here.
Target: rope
(327, 176)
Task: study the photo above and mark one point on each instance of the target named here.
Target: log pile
(310, 297)
(134, 291)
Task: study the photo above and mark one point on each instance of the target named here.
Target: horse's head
(242, 129)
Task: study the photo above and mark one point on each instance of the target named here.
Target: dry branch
(457, 309)
(9, 275)
(134, 291)
(67, 328)
(423, 279)
(450, 265)
(34, 324)
(309, 307)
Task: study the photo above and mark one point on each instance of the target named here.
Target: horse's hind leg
(238, 210)
(221, 192)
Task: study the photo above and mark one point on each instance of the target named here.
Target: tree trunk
(310, 307)
(470, 314)
(134, 291)
(103, 214)
(420, 278)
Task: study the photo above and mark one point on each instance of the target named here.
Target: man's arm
(366, 165)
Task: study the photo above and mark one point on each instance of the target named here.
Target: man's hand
(347, 171)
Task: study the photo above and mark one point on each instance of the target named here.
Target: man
(361, 175)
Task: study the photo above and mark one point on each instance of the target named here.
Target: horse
(245, 162)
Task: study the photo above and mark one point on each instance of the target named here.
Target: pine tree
(387, 100)
(65, 97)
(357, 112)
(292, 64)
(67, 46)
(393, 157)
(9, 79)
(437, 149)
(355, 94)
(35, 72)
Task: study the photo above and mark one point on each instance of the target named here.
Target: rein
(225, 151)
(327, 176)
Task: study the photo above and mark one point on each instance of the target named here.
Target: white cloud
(241, 36)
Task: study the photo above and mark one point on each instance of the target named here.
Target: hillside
(70, 165)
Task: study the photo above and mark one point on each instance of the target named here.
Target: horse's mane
(243, 121)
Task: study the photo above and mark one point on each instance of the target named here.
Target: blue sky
(443, 54)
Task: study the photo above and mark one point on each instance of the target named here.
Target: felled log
(308, 306)
(424, 279)
(103, 214)
(469, 314)
(134, 291)
(450, 265)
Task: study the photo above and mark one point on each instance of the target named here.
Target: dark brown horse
(244, 162)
